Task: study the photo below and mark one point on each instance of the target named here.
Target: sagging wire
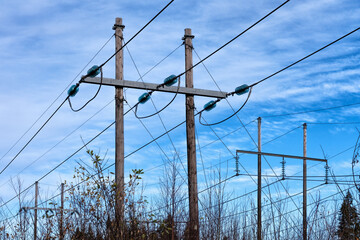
(146, 96)
(75, 88)
(212, 104)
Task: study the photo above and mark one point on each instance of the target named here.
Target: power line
(92, 138)
(227, 118)
(158, 113)
(143, 146)
(96, 54)
(83, 77)
(152, 68)
(235, 113)
(302, 59)
(322, 200)
(333, 123)
(63, 139)
(311, 110)
(137, 33)
(33, 136)
(199, 61)
(237, 36)
(103, 169)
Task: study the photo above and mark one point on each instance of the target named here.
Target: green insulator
(210, 105)
(73, 90)
(144, 98)
(242, 89)
(170, 80)
(93, 71)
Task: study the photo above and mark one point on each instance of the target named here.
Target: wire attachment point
(73, 90)
(144, 97)
(170, 80)
(241, 89)
(210, 105)
(93, 71)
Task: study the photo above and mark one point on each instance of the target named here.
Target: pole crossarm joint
(155, 87)
(282, 155)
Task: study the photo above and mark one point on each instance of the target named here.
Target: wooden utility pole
(119, 83)
(61, 227)
(119, 125)
(190, 137)
(259, 183)
(304, 185)
(35, 210)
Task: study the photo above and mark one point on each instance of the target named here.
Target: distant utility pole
(259, 183)
(283, 156)
(36, 208)
(190, 136)
(304, 184)
(119, 83)
(61, 227)
(119, 126)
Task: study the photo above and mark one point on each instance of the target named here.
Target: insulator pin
(170, 80)
(93, 71)
(210, 105)
(242, 89)
(73, 90)
(144, 98)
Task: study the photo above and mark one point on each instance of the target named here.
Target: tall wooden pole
(61, 237)
(119, 126)
(259, 183)
(304, 184)
(190, 136)
(35, 209)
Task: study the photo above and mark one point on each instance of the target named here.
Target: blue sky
(45, 44)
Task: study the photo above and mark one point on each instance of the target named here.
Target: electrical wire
(98, 134)
(116, 52)
(112, 165)
(218, 49)
(161, 149)
(128, 155)
(133, 152)
(236, 112)
(302, 59)
(37, 132)
(96, 54)
(333, 123)
(159, 111)
(237, 36)
(309, 111)
(54, 146)
(97, 92)
(248, 172)
(151, 92)
(132, 38)
(83, 77)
